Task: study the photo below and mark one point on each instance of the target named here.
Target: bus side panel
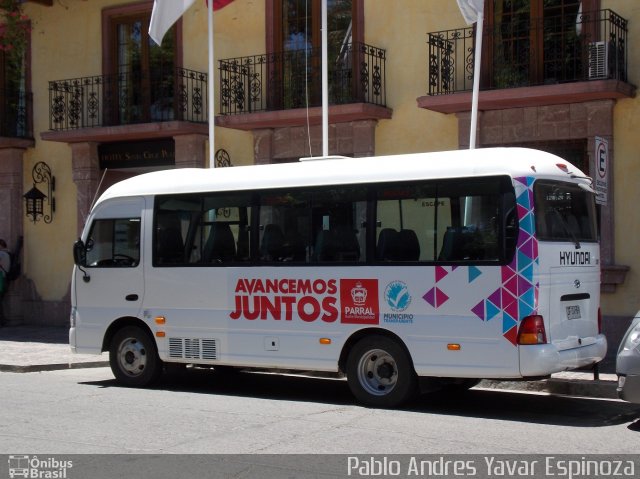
(277, 317)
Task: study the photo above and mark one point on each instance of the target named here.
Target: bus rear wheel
(133, 357)
(380, 372)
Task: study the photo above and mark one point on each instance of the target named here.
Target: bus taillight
(599, 321)
(532, 330)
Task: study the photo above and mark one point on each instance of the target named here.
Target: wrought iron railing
(551, 50)
(292, 79)
(128, 98)
(15, 114)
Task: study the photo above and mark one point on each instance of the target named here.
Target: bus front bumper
(545, 359)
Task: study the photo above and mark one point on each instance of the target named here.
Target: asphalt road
(85, 411)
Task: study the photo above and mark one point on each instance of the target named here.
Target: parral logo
(359, 301)
(397, 296)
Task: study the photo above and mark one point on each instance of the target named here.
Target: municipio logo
(397, 296)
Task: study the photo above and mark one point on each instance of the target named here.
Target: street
(85, 411)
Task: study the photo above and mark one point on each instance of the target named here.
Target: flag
(218, 4)
(164, 14)
(471, 9)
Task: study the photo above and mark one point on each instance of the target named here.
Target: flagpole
(476, 81)
(210, 85)
(325, 82)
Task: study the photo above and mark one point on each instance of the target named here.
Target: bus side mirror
(79, 253)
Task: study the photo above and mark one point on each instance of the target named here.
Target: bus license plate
(573, 312)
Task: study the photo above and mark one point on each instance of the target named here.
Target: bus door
(569, 264)
(111, 285)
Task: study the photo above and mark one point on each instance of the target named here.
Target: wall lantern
(34, 198)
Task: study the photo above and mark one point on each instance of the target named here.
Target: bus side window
(220, 245)
(169, 240)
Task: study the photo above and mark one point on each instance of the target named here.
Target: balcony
(275, 89)
(137, 105)
(540, 62)
(15, 115)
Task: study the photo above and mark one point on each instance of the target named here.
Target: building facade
(92, 100)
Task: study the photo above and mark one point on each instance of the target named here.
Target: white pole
(210, 87)
(325, 82)
(476, 81)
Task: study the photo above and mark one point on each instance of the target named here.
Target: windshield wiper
(568, 230)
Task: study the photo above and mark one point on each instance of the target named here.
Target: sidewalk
(41, 348)
(26, 349)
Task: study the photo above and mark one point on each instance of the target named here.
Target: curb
(33, 368)
(565, 387)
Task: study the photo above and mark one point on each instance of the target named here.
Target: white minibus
(434, 268)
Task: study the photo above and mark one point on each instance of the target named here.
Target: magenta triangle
(522, 211)
(440, 273)
(495, 298)
(523, 285)
(512, 285)
(507, 273)
(441, 298)
(429, 297)
(478, 310)
(507, 298)
(512, 309)
(527, 248)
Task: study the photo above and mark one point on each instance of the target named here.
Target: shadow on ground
(479, 403)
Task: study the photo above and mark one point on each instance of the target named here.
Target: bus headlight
(632, 340)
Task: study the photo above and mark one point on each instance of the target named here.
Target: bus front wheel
(133, 357)
(380, 372)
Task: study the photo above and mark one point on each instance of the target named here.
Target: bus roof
(514, 162)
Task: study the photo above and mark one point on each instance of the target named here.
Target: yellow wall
(626, 173)
(402, 32)
(48, 257)
(240, 31)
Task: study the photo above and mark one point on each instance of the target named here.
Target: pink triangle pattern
(518, 277)
(440, 273)
(435, 297)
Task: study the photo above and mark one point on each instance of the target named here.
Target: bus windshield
(564, 212)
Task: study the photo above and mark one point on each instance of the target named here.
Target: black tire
(380, 372)
(134, 358)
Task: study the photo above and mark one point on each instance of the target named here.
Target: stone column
(86, 175)
(364, 138)
(190, 151)
(263, 146)
(12, 222)
(464, 130)
(11, 209)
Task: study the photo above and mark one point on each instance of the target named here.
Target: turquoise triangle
(474, 273)
(492, 310)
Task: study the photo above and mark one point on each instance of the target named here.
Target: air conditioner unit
(598, 60)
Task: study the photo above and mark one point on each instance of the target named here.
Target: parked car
(628, 363)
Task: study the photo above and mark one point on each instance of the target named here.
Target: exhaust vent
(193, 348)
